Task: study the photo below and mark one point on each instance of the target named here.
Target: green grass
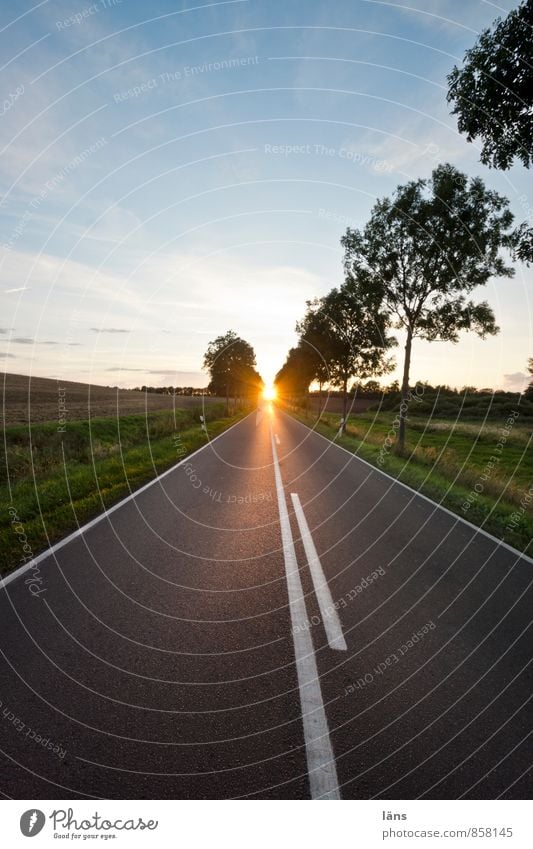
(446, 460)
(51, 482)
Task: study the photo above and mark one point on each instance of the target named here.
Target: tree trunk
(319, 402)
(404, 402)
(344, 404)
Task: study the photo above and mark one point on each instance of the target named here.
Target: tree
(491, 95)
(249, 383)
(293, 379)
(422, 252)
(354, 333)
(372, 387)
(529, 391)
(492, 92)
(314, 334)
(230, 362)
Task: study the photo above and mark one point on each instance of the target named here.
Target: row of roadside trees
(412, 269)
(414, 265)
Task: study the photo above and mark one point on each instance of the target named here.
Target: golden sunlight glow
(269, 393)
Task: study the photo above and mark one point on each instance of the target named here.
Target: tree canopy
(296, 373)
(491, 93)
(231, 362)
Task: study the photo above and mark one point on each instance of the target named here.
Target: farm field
(480, 469)
(37, 399)
(54, 480)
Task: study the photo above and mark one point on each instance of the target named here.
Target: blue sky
(172, 170)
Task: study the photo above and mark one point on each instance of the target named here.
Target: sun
(269, 393)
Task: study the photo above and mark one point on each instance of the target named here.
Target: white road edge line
(80, 531)
(330, 617)
(500, 543)
(321, 765)
(277, 439)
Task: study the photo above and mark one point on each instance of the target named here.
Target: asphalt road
(272, 619)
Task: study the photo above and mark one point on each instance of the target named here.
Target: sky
(170, 171)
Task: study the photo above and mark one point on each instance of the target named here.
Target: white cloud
(416, 149)
(516, 382)
(113, 225)
(53, 277)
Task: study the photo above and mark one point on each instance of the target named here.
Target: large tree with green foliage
(230, 362)
(491, 96)
(422, 252)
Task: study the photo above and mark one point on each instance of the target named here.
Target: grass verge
(482, 471)
(52, 481)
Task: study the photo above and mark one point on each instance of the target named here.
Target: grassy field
(481, 469)
(26, 399)
(52, 480)
(332, 404)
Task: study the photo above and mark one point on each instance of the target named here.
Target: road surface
(271, 619)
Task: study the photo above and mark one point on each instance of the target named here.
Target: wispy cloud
(431, 13)
(168, 371)
(415, 149)
(123, 368)
(110, 330)
(172, 371)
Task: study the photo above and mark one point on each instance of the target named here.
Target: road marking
(330, 617)
(320, 758)
(80, 531)
(277, 439)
